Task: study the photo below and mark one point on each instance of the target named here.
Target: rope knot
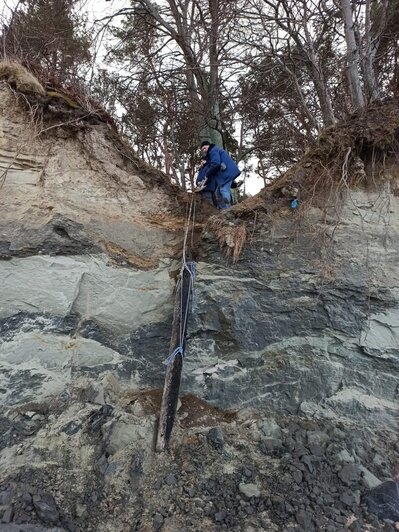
(172, 356)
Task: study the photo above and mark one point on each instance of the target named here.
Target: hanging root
(231, 238)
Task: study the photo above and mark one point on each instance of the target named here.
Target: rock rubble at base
(97, 479)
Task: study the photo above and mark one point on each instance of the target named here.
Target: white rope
(190, 268)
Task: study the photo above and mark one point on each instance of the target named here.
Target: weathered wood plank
(174, 369)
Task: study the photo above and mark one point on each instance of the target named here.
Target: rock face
(88, 244)
(74, 191)
(300, 339)
(308, 318)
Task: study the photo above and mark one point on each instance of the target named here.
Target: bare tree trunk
(183, 175)
(319, 80)
(166, 152)
(307, 48)
(203, 90)
(352, 55)
(368, 58)
(262, 171)
(213, 104)
(372, 38)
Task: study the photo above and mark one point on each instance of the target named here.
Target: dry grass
(22, 80)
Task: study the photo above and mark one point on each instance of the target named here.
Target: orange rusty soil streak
(194, 412)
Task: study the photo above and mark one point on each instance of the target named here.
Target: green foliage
(51, 34)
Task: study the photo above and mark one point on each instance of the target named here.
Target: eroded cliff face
(313, 304)
(291, 377)
(87, 243)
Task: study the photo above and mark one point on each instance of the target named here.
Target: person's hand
(201, 185)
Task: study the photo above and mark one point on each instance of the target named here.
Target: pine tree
(49, 33)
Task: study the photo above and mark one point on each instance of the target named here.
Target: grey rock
(220, 516)
(349, 474)
(304, 519)
(8, 514)
(249, 490)
(112, 469)
(269, 428)
(71, 428)
(216, 439)
(317, 437)
(102, 464)
(271, 445)
(378, 460)
(191, 491)
(344, 456)
(297, 476)
(170, 480)
(98, 417)
(5, 496)
(46, 508)
(158, 521)
(348, 499)
(30, 528)
(369, 480)
(247, 473)
(383, 501)
(300, 450)
(136, 468)
(308, 460)
(316, 449)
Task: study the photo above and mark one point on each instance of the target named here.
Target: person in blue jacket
(221, 171)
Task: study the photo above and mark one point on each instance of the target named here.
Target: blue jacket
(216, 176)
(201, 176)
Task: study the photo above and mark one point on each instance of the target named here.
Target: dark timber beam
(173, 371)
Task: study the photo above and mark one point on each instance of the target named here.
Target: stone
(127, 432)
(269, 428)
(157, 521)
(191, 491)
(344, 456)
(383, 500)
(98, 417)
(316, 450)
(297, 476)
(8, 514)
(35, 528)
(46, 508)
(349, 474)
(112, 469)
(378, 460)
(247, 473)
(308, 460)
(348, 499)
(249, 490)
(369, 480)
(170, 479)
(216, 439)
(71, 428)
(304, 519)
(317, 437)
(220, 516)
(136, 468)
